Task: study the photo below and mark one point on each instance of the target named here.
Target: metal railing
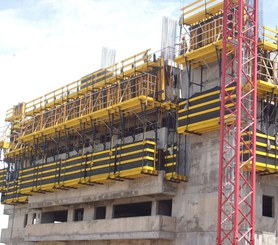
(269, 35)
(96, 79)
(143, 85)
(268, 69)
(5, 133)
(197, 8)
(200, 35)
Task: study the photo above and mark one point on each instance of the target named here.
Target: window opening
(268, 205)
(100, 212)
(54, 217)
(132, 210)
(165, 207)
(78, 214)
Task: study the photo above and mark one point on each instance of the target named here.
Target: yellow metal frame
(270, 39)
(130, 105)
(199, 11)
(203, 55)
(265, 87)
(4, 145)
(96, 80)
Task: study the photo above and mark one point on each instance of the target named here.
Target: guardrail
(143, 85)
(200, 35)
(270, 35)
(199, 10)
(97, 79)
(268, 69)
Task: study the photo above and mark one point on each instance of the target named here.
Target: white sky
(45, 44)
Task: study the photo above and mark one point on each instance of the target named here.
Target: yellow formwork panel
(136, 172)
(16, 200)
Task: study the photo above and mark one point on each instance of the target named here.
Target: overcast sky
(45, 44)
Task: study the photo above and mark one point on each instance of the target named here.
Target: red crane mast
(237, 164)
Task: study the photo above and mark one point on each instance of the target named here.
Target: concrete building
(129, 154)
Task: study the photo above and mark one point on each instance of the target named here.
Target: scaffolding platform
(266, 88)
(201, 56)
(100, 79)
(199, 11)
(133, 105)
(201, 42)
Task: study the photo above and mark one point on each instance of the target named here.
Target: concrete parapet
(149, 227)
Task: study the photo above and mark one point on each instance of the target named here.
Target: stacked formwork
(93, 131)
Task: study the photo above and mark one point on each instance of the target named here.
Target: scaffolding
(93, 131)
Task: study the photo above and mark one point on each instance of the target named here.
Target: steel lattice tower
(236, 198)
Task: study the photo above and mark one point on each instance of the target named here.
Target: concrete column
(30, 218)
(114, 140)
(109, 211)
(39, 216)
(70, 214)
(154, 208)
(89, 212)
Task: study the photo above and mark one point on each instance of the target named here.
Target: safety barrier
(132, 160)
(128, 161)
(126, 95)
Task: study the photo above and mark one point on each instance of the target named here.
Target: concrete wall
(195, 205)
(209, 79)
(150, 227)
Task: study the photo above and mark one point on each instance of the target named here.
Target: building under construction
(174, 147)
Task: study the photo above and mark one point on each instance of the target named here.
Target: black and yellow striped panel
(201, 113)
(125, 161)
(266, 154)
(3, 176)
(11, 195)
(171, 164)
(134, 160)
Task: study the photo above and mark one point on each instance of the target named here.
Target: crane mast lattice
(236, 198)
